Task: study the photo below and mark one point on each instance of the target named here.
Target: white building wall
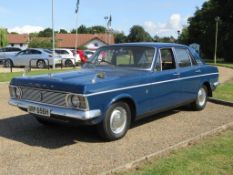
(94, 44)
(21, 46)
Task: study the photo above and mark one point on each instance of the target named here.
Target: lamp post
(53, 35)
(217, 19)
(178, 33)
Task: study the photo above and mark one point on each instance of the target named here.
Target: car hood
(84, 81)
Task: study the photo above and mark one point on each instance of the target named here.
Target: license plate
(39, 111)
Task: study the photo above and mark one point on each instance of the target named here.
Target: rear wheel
(68, 63)
(41, 64)
(8, 63)
(116, 122)
(201, 100)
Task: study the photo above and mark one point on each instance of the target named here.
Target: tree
(46, 33)
(138, 34)
(201, 29)
(97, 29)
(120, 37)
(63, 31)
(41, 43)
(3, 37)
(170, 39)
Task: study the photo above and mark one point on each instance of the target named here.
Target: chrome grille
(44, 96)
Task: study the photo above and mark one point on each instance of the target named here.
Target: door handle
(198, 71)
(176, 74)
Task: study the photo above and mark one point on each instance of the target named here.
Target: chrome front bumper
(58, 111)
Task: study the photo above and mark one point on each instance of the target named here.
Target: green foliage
(82, 48)
(201, 29)
(40, 43)
(46, 33)
(83, 29)
(138, 34)
(170, 39)
(90, 30)
(63, 31)
(120, 37)
(3, 37)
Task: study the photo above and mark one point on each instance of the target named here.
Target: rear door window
(183, 57)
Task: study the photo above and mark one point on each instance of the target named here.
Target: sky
(158, 17)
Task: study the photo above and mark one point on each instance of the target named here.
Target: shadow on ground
(27, 130)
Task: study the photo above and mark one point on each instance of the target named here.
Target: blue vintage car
(121, 83)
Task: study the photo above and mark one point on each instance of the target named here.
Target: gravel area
(226, 74)
(27, 147)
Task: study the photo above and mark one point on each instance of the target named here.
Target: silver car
(39, 58)
(7, 52)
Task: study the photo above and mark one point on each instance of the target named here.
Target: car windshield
(124, 56)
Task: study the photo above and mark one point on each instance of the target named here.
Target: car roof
(151, 44)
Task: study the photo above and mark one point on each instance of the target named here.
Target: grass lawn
(212, 156)
(224, 91)
(5, 77)
(228, 65)
(220, 62)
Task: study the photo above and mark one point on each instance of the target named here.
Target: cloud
(26, 29)
(168, 28)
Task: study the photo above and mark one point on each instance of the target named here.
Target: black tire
(69, 63)
(201, 100)
(41, 64)
(8, 63)
(106, 127)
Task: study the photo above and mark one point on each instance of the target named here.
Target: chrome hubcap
(40, 64)
(8, 64)
(118, 120)
(201, 97)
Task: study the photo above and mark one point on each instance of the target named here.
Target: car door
(34, 56)
(165, 81)
(189, 73)
(20, 58)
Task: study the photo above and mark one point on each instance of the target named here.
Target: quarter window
(167, 58)
(183, 57)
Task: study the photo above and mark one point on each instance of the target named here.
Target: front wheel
(116, 122)
(201, 100)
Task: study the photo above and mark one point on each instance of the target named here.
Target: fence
(8, 64)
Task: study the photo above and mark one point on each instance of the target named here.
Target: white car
(89, 53)
(39, 58)
(69, 56)
(7, 52)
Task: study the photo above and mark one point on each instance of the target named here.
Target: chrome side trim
(70, 113)
(149, 84)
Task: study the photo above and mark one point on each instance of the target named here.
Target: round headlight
(75, 101)
(18, 93)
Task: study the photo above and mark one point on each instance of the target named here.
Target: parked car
(41, 58)
(7, 52)
(68, 56)
(89, 53)
(131, 81)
